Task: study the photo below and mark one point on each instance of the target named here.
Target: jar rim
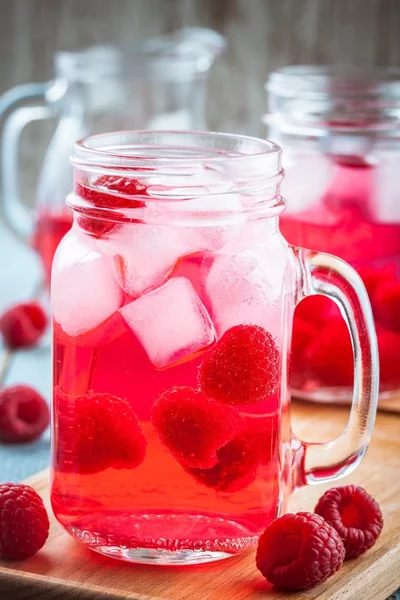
(178, 167)
(172, 147)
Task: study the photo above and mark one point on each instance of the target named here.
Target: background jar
(340, 131)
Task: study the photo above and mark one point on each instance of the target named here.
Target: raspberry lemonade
(342, 184)
(172, 299)
(50, 228)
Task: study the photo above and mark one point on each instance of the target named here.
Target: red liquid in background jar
(50, 228)
(345, 222)
(117, 486)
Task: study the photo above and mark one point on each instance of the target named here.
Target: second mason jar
(340, 132)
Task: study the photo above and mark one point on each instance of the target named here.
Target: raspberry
(354, 514)
(240, 459)
(192, 427)
(303, 333)
(296, 552)
(24, 524)
(387, 304)
(94, 222)
(372, 277)
(316, 309)
(97, 431)
(23, 324)
(24, 414)
(389, 356)
(243, 368)
(329, 357)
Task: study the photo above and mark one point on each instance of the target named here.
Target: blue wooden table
(19, 276)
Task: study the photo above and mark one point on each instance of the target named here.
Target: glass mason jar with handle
(340, 134)
(156, 85)
(173, 298)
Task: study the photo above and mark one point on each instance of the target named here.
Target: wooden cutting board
(65, 569)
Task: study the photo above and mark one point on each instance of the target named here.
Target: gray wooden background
(262, 35)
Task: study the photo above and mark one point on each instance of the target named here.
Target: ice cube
(386, 191)
(171, 323)
(306, 181)
(247, 287)
(144, 255)
(84, 294)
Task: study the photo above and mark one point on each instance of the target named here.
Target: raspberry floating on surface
(192, 427)
(23, 324)
(97, 431)
(24, 524)
(243, 367)
(95, 223)
(299, 551)
(24, 414)
(354, 514)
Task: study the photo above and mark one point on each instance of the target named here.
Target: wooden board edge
(362, 585)
(17, 586)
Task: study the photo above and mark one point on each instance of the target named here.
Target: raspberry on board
(24, 524)
(192, 427)
(242, 368)
(24, 414)
(23, 324)
(354, 514)
(95, 432)
(299, 551)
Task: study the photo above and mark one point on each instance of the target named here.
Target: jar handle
(320, 273)
(18, 107)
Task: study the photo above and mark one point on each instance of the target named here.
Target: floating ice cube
(84, 294)
(246, 287)
(143, 255)
(171, 323)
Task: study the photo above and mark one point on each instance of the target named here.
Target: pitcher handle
(18, 107)
(320, 273)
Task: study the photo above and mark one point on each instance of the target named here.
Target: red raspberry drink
(172, 301)
(50, 229)
(146, 458)
(347, 220)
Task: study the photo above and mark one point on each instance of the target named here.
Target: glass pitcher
(172, 301)
(159, 84)
(340, 132)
